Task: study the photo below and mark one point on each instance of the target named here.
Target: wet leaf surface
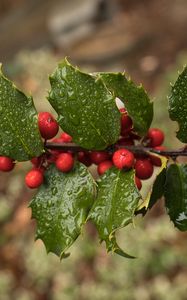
(176, 195)
(61, 207)
(86, 109)
(135, 99)
(178, 105)
(114, 207)
(19, 135)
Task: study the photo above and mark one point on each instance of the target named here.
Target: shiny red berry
(98, 156)
(65, 138)
(34, 178)
(156, 137)
(104, 166)
(64, 162)
(126, 124)
(123, 158)
(48, 126)
(6, 164)
(144, 168)
(138, 183)
(84, 158)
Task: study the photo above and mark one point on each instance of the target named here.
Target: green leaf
(178, 105)
(176, 195)
(135, 99)
(19, 134)
(61, 207)
(86, 109)
(114, 207)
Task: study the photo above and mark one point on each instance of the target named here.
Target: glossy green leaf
(85, 107)
(19, 134)
(114, 207)
(176, 195)
(134, 97)
(178, 105)
(61, 207)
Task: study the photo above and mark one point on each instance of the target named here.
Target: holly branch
(138, 149)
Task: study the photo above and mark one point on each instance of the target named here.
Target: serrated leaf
(85, 107)
(178, 105)
(61, 207)
(157, 189)
(19, 134)
(135, 99)
(176, 195)
(114, 207)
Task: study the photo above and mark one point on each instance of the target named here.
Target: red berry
(156, 161)
(123, 158)
(144, 168)
(34, 178)
(126, 124)
(53, 156)
(125, 141)
(41, 169)
(64, 162)
(57, 140)
(98, 156)
(84, 158)
(36, 161)
(48, 126)
(161, 148)
(156, 137)
(104, 166)
(138, 183)
(65, 138)
(6, 164)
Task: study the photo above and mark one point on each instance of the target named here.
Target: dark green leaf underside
(134, 98)
(61, 207)
(19, 134)
(114, 207)
(86, 109)
(178, 105)
(176, 195)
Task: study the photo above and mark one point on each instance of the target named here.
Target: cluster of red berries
(122, 158)
(125, 159)
(64, 162)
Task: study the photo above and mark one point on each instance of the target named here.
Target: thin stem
(135, 149)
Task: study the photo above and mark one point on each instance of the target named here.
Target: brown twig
(139, 149)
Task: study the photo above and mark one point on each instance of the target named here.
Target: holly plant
(97, 137)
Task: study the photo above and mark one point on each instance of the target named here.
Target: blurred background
(147, 39)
